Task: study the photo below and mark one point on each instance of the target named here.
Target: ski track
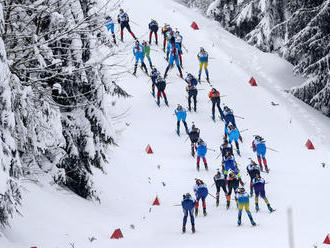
(57, 218)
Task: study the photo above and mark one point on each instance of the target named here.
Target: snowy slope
(57, 218)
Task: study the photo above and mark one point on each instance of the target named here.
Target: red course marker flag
(309, 145)
(156, 202)
(149, 150)
(253, 82)
(327, 240)
(194, 26)
(117, 234)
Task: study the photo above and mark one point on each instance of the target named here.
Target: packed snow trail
(54, 218)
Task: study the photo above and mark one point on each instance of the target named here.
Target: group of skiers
(228, 176)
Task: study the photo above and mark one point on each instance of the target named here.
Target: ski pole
(186, 139)
(272, 149)
(211, 149)
(239, 117)
(218, 156)
(212, 196)
(135, 23)
(176, 205)
(212, 185)
(244, 130)
(185, 48)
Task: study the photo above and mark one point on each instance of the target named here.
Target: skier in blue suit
(201, 153)
(229, 164)
(259, 146)
(181, 115)
(139, 56)
(201, 192)
(110, 27)
(188, 204)
(229, 117)
(174, 56)
(259, 188)
(234, 135)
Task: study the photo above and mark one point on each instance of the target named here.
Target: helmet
(232, 174)
(159, 77)
(144, 42)
(121, 10)
(226, 108)
(179, 106)
(154, 69)
(187, 195)
(108, 18)
(137, 42)
(241, 190)
(202, 49)
(177, 32)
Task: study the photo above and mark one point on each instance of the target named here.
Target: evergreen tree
(53, 118)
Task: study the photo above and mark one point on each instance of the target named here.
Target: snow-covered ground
(55, 218)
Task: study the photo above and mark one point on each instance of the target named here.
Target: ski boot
(183, 229)
(189, 108)
(193, 228)
(204, 211)
(270, 208)
(196, 212)
(198, 166)
(208, 79)
(195, 108)
(238, 152)
(158, 102)
(178, 131)
(166, 102)
(251, 193)
(193, 151)
(239, 221)
(213, 117)
(206, 168)
(252, 222)
(153, 93)
(199, 78)
(257, 207)
(228, 204)
(266, 168)
(217, 202)
(261, 168)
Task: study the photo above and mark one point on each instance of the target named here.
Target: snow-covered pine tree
(309, 50)
(10, 166)
(55, 50)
